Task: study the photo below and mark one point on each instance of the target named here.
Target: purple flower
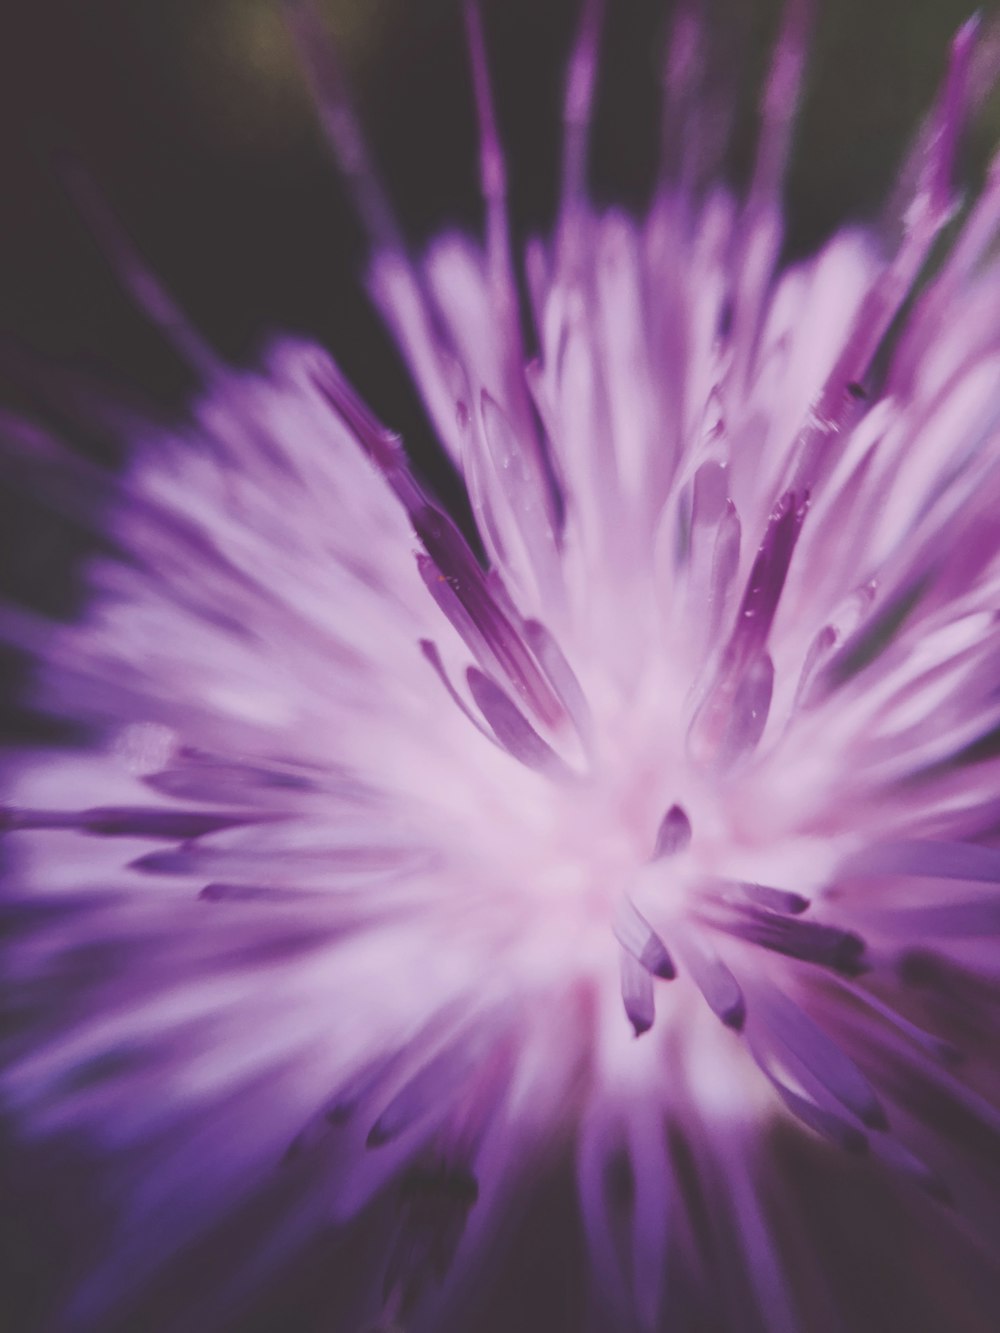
(660, 835)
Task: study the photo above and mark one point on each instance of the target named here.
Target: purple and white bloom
(659, 834)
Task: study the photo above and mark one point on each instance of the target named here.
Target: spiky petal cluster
(382, 856)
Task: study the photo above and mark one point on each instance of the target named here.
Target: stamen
(432, 655)
(808, 941)
(145, 289)
(528, 448)
(731, 721)
(767, 579)
(637, 993)
(635, 934)
(258, 893)
(336, 864)
(973, 242)
(340, 125)
(674, 834)
(934, 860)
(719, 987)
(759, 234)
(519, 477)
(652, 1218)
(873, 637)
(396, 283)
(725, 562)
(821, 1119)
(682, 72)
(733, 714)
(806, 692)
(363, 1084)
(450, 554)
(976, 918)
(944, 1052)
(815, 1055)
(137, 822)
(607, 1186)
(711, 560)
(435, 1200)
(750, 710)
(780, 104)
(775, 900)
(195, 776)
(517, 736)
(128, 821)
(552, 660)
(493, 174)
(929, 212)
(451, 606)
(427, 1091)
(578, 108)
